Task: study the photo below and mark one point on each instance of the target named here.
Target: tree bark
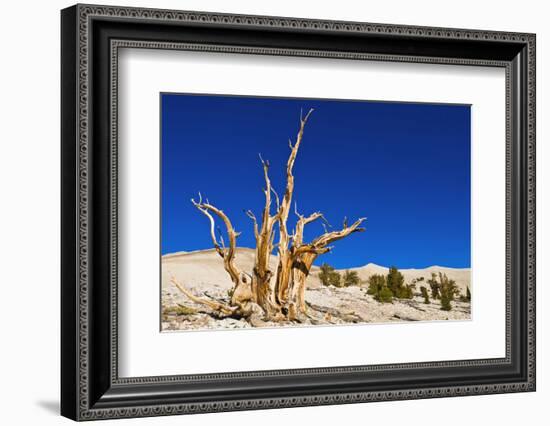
(282, 281)
(306, 254)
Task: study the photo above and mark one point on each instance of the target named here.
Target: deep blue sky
(405, 166)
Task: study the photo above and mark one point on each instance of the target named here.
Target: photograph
(284, 212)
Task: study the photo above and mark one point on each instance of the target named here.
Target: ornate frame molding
(78, 25)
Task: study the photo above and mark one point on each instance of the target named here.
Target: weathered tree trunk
(262, 274)
(284, 269)
(306, 254)
(280, 295)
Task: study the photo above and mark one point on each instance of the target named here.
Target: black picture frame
(90, 386)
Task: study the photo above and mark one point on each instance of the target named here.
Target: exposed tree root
(212, 304)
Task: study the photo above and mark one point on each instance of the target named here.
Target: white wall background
(29, 213)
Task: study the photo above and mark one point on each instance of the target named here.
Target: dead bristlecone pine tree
(277, 295)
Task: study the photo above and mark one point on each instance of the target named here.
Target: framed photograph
(263, 212)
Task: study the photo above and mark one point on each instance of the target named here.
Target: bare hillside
(202, 273)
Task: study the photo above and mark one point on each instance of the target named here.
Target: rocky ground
(326, 305)
(202, 273)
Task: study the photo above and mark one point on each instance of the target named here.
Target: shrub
(467, 297)
(434, 286)
(335, 279)
(329, 276)
(395, 280)
(406, 292)
(385, 295)
(376, 283)
(449, 290)
(446, 304)
(392, 283)
(385, 288)
(379, 290)
(425, 295)
(351, 278)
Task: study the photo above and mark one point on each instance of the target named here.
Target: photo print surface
(284, 212)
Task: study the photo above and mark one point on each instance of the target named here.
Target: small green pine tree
(466, 298)
(335, 279)
(425, 295)
(329, 276)
(351, 278)
(324, 275)
(376, 283)
(445, 303)
(395, 280)
(434, 286)
(385, 295)
(407, 291)
(449, 290)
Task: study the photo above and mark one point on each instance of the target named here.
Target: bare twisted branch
(227, 254)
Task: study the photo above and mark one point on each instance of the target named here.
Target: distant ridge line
(369, 265)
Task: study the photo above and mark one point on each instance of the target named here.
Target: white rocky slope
(202, 273)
